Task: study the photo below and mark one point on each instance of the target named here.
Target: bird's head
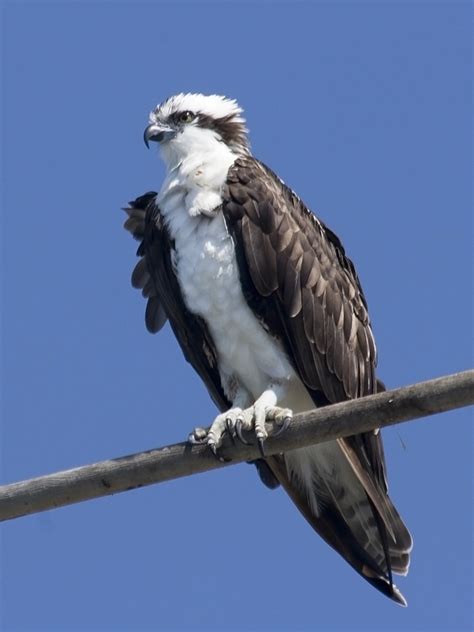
(197, 123)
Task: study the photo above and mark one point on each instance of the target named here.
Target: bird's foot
(235, 422)
(212, 437)
(254, 418)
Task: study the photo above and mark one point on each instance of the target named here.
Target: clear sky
(364, 109)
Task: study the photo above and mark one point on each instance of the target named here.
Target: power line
(182, 459)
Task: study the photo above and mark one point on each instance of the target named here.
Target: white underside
(207, 271)
(250, 360)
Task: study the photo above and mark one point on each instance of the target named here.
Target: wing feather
(264, 269)
(154, 274)
(299, 268)
(296, 276)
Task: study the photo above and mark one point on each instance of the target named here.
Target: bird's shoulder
(256, 200)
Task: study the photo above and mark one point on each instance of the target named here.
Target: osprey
(269, 311)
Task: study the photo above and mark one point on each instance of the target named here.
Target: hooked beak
(158, 133)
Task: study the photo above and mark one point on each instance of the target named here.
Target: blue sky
(364, 109)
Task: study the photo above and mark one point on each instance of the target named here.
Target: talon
(213, 447)
(230, 427)
(238, 430)
(261, 441)
(284, 426)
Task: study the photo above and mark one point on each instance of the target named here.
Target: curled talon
(238, 431)
(283, 427)
(261, 441)
(212, 445)
(230, 427)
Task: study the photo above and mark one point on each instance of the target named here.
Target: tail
(366, 531)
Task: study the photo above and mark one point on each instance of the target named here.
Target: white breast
(208, 274)
(207, 271)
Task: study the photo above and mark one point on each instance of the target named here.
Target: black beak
(157, 133)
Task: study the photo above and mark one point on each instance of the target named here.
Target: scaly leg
(264, 409)
(223, 423)
(237, 420)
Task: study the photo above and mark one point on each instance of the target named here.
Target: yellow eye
(186, 117)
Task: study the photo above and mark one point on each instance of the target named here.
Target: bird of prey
(268, 309)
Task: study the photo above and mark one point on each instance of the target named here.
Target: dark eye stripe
(231, 131)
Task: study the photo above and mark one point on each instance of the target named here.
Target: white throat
(197, 163)
(193, 143)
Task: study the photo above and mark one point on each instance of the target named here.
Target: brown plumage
(299, 270)
(300, 284)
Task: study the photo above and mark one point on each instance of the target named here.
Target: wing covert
(300, 266)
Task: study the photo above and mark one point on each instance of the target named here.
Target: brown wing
(301, 267)
(297, 277)
(155, 276)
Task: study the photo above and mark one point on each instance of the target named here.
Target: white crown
(213, 105)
